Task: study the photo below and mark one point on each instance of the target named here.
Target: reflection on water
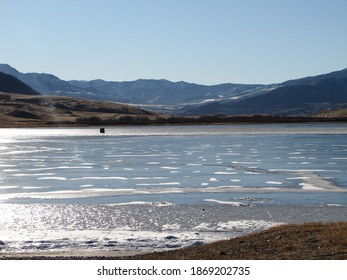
(141, 226)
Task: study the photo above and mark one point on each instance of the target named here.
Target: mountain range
(291, 98)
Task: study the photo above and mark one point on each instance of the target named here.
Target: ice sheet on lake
(136, 188)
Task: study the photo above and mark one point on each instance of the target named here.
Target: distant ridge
(141, 91)
(299, 97)
(11, 84)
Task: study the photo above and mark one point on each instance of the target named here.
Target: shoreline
(26, 125)
(90, 254)
(313, 240)
(182, 121)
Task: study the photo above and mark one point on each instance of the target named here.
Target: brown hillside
(307, 241)
(24, 110)
(337, 113)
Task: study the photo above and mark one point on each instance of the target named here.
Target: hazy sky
(200, 41)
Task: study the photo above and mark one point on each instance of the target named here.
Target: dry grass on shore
(291, 242)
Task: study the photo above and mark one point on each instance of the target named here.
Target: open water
(162, 187)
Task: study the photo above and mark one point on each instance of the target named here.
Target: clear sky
(200, 41)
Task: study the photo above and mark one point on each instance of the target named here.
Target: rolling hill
(25, 110)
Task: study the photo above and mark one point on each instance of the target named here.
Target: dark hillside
(292, 100)
(11, 84)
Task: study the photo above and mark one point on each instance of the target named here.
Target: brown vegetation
(337, 113)
(24, 110)
(307, 241)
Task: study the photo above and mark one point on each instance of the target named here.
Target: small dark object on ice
(102, 130)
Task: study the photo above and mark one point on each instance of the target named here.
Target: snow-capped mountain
(292, 98)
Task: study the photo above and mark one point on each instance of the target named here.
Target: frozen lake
(165, 187)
